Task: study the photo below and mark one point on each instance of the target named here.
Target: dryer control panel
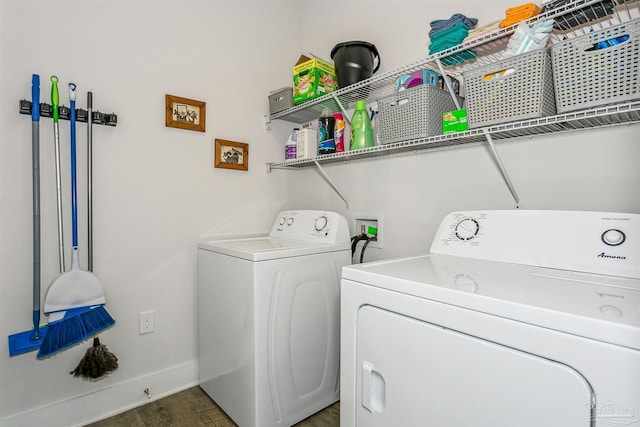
(311, 225)
(593, 242)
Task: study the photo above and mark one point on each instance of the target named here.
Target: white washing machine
(515, 318)
(269, 319)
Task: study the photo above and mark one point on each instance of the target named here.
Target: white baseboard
(110, 401)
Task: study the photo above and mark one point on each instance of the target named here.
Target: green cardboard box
(455, 121)
(312, 78)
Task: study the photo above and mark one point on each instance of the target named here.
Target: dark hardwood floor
(193, 407)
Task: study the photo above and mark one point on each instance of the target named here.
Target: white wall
(155, 190)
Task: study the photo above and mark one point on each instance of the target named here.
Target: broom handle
(55, 99)
(90, 181)
(74, 194)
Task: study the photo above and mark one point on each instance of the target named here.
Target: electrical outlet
(370, 224)
(147, 322)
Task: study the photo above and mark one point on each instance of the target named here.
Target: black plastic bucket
(354, 61)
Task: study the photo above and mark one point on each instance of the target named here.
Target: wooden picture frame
(231, 155)
(184, 113)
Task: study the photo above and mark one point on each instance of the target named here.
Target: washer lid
(604, 308)
(267, 248)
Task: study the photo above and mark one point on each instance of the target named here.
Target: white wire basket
(515, 88)
(414, 113)
(597, 68)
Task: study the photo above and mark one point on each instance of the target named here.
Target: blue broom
(75, 300)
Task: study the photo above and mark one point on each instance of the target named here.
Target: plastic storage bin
(598, 68)
(280, 100)
(413, 113)
(515, 88)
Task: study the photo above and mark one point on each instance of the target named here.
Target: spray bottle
(375, 124)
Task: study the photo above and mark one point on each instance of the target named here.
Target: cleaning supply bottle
(326, 142)
(338, 132)
(291, 146)
(375, 124)
(361, 130)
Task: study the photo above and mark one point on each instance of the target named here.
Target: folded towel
(456, 18)
(458, 32)
(529, 8)
(519, 13)
(439, 47)
(448, 33)
(477, 32)
(444, 45)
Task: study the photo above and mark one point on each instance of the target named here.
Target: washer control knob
(289, 221)
(613, 237)
(321, 223)
(467, 229)
(282, 220)
(610, 310)
(466, 283)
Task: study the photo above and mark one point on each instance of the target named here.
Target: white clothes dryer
(515, 318)
(269, 319)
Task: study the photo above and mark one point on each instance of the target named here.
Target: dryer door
(412, 373)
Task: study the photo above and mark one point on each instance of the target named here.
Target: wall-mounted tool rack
(64, 113)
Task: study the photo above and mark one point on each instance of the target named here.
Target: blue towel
(448, 38)
(443, 24)
(448, 33)
(455, 34)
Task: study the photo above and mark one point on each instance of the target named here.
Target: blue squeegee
(27, 341)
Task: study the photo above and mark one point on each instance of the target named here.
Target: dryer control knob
(613, 237)
(290, 221)
(321, 223)
(282, 220)
(467, 229)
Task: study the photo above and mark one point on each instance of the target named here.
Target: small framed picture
(231, 155)
(185, 113)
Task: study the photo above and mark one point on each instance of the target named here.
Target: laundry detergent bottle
(338, 132)
(361, 130)
(291, 146)
(326, 125)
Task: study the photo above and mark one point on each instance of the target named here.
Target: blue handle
(74, 196)
(35, 98)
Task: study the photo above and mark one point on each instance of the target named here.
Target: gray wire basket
(413, 113)
(280, 100)
(598, 68)
(515, 88)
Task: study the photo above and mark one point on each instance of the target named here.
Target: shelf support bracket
(267, 122)
(503, 170)
(328, 179)
(447, 82)
(344, 111)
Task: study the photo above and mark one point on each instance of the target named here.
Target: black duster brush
(97, 361)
